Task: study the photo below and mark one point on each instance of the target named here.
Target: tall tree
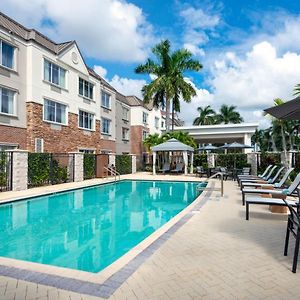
(206, 116)
(169, 82)
(228, 114)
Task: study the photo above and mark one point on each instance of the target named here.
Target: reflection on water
(88, 229)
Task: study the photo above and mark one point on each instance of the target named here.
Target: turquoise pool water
(88, 229)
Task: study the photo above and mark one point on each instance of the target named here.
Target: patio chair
(225, 172)
(262, 179)
(200, 171)
(253, 176)
(293, 227)
(272, 183)
(245, 171)
(179, 168)
(274, 192)
(165, 168)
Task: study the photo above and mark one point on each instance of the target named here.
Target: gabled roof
(135, 101)
(122, 98)
(26, 34)
(103, 81)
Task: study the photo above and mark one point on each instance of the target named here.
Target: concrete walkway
(217, 254)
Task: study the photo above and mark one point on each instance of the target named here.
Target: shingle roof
(103, 81)
(122, 98)
(135, 101)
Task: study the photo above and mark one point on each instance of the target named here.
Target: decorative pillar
(252, 160)
(192, 163)
(19, 169)
(185, 160)
(154, 163)
(112, 159)
(211, 160)
(133, 163)
(76, 167)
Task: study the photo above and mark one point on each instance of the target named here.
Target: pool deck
(211, 252)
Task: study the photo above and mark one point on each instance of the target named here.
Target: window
(86, 120)
(54, 74)
(156, 122)
(105, 101)
(7, 101)
(125, 134)
(7, 53)
(145, 118)
(105, 126)
(125, 113)
(39, 145)
(86, 89)
(145, 134)
(55, 112)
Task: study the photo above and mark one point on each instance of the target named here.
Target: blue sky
(250, 50)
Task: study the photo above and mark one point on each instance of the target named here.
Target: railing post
(76, 163)
(19, 170)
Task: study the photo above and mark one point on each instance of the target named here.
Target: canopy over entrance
(174, 145)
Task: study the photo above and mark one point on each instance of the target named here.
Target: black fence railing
(50, 168)
(89, 165)
(6, 171)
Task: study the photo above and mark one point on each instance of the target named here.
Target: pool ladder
(222, 183)
(113, 172)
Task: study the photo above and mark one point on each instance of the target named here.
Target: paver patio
(217, 254)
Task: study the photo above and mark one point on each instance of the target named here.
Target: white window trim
(128, 131)
(110, 122)
(51, 83)
(146, 122)
(14, 68)
(15, 99)
(52, 122)
(106, 107)
(93, 123)
(83, 96)
(128, 111)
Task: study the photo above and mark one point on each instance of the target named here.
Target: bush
(200, 160)
(268, 159)
(3, 171)
(123, 164)
(89, 165)
(230, 159)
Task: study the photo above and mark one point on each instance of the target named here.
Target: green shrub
(89, 165)
(123, 164)
(229, 160)
(200, 160)
(3, 171)
(268, 159)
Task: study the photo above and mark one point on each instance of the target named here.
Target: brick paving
(217, 254)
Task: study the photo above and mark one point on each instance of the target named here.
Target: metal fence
(5, 171)
(89, 165)
(50, 168)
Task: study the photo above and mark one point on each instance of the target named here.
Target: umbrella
(235, 146)
(208, 147)
(288, 111)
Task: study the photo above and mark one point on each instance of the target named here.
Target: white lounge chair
(265, 178)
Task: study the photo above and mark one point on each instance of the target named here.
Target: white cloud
(100, 71)
(128, 86)
(107, 29)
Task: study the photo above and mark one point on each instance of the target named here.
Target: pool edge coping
(107, 281)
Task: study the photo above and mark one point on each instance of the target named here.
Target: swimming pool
(87, 229)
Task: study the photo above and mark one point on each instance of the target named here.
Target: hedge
(89, 165)
(200, 160)
(123, 164)
(267, 158)
(230, 159)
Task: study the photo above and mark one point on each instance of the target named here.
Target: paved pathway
(215, 255)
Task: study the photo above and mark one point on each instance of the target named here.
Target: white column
(185, 160)
(19, 169)
(76, 166)
(133, 163)
(247, 141)
(112, 159)
(154, 163)
(192, 163)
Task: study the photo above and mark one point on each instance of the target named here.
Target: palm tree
(152, 140)
(181, 136)
(228, 114)
(297, 90)
(169, 82)
(206, 116)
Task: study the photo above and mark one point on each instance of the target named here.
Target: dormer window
(7, 55)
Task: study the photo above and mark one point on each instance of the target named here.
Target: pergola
(174, 145)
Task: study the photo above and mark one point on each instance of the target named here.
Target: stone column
(211, 160)
(133, 163)
(252, 160)
(76, 166)
(192, 163)
(112, 159)
(19, 169)
(185, 160)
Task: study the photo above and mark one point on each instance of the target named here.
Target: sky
(250, 49)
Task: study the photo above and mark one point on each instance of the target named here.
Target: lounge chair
(253, 176)
(260, 179)
(274, 192)
(293, 227)
(179, 168)
(165, 168)
(272, 182)
(200, 171)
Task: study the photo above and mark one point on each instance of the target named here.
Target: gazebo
(174, 145)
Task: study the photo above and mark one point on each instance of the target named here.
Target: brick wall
(59, 139)
(108, 145)
(13, 135)
(136, 137)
